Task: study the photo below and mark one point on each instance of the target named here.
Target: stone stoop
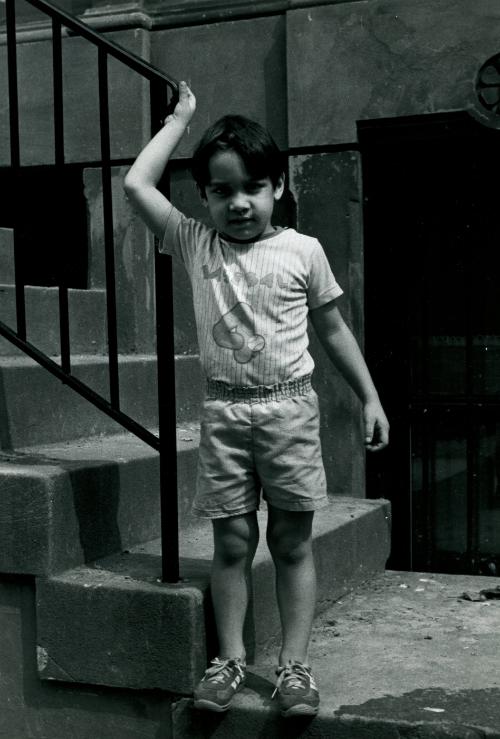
(80, 513)
(113, 623)
(119, 626)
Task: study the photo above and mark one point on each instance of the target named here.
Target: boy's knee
(231, 550)
(287, 547)
(289, 535)
(235, 540)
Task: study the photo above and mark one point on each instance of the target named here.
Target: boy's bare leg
(235, 542)
(289, 537)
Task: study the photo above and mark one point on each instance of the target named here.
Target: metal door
(432, 269)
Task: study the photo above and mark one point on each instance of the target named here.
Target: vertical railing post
(15, 161)
(166, 383)
(57, 75)
(107, 207)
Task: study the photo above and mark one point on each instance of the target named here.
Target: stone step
(36, 408)
(114, 623)
(63, 505)
(87, 319)
(403, 655)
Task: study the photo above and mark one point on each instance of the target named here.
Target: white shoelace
(222, 670)
(297, 677)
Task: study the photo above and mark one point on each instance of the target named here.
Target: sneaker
(297, 691)
(219, 684)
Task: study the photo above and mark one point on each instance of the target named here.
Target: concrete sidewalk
(401, 656)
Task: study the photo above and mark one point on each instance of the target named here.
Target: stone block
(41, 709)
(26, 517)
(55, 515)
(104, 627)
(382, 59)
(232, 67)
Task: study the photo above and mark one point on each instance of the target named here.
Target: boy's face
(240, 205)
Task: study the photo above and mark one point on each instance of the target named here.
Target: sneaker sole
(302, 709)
(207, 705)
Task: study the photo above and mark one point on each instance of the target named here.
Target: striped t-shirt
(251, 300)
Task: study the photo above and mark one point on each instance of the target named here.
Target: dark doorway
(47, 204)
(432, 268)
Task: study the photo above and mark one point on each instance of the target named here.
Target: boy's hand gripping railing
(163, 96)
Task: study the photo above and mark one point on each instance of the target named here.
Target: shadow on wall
(96, 495)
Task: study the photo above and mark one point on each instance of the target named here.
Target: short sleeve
(322, 285)
(183, 236)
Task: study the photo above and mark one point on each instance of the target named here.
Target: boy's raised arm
(142, 178)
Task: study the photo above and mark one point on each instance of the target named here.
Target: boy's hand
(376, 426)
(184, 110)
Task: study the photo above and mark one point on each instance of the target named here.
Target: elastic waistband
(218, 390)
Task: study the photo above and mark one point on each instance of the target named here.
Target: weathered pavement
(401, 656)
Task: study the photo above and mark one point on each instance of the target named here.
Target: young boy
(254, 286)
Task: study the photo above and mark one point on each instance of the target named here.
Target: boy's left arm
(343, 350)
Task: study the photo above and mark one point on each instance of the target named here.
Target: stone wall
(383, 59)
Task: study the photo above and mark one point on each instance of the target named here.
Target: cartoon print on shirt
(232, 332)
(247, 278)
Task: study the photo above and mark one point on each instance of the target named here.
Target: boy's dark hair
(249, 139)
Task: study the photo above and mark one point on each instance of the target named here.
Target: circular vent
(488, 85)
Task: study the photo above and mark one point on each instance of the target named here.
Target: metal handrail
(163, 96)
(147, 70)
